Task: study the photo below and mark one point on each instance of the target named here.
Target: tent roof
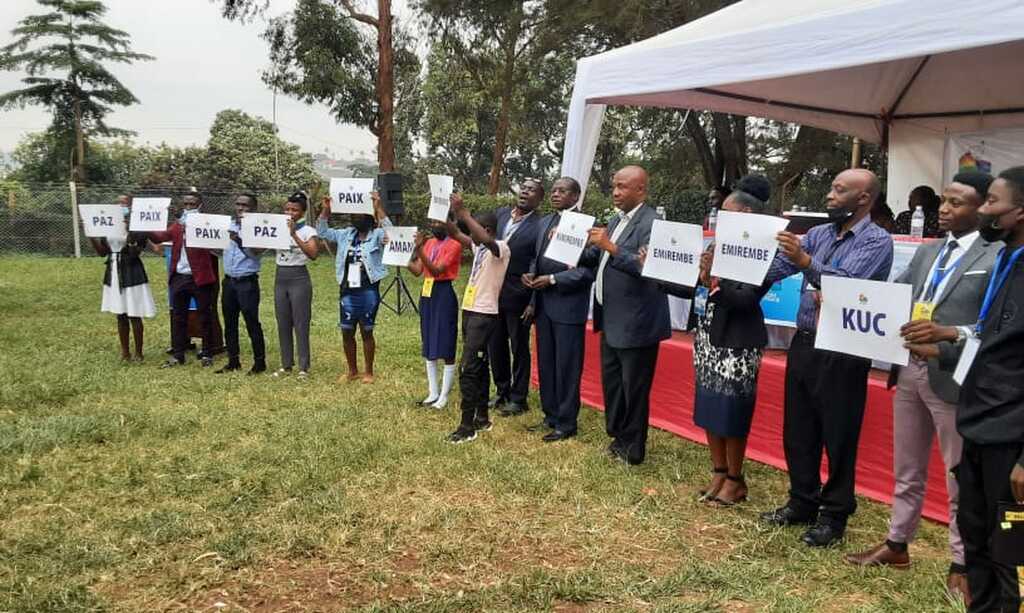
(850, 66)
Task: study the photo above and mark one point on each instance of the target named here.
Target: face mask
(362, 224)
(989, 230)
(439, 233)
(839, 214)
(185, 213)
(126, 211)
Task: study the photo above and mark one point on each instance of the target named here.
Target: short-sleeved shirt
(294, 256)
(488, 275)
(447, 252)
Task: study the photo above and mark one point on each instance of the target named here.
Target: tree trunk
(385, 89)
(79, 166)
(712, 176)
(504, 115)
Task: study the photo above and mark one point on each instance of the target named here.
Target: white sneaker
(303, 374)
(282, 372)
(440, 403)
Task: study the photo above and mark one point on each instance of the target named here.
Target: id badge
(700, 300)
(922, 310)
(966, 359)
(428, 287)
(469, 297)
(355, 274)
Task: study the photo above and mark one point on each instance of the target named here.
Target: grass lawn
(130, 488)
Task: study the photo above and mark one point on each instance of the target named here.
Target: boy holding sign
(359, 268)
(479, 315)
(126, 290)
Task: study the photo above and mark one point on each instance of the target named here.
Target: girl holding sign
(437, 258)
(126, 290)
(359, 269)
(293, 289)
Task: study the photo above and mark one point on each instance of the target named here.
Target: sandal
(704, 495)
(719, 502)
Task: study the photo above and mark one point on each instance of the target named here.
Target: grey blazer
(960, 301)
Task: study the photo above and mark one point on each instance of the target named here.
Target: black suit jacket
(738, 321)
(568, 300)
(523, 245)
(635, 309)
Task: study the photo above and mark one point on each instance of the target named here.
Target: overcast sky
(203, 64)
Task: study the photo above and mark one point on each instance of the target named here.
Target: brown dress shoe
(882, 555)
(956, 584)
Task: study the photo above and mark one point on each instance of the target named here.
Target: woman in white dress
(126, 290)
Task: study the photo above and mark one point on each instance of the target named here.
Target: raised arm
(310, 247)
(476, 231)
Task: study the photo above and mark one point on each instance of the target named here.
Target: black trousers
(626, 378)
(984, 479)
(824, 408)
(242, 297)
(560, 350)
(474, 378)
(183, 289)
(511, 376)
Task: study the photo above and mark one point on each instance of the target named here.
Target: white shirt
(963, 244)
(294, 256)
(616, 233)
(184, 268)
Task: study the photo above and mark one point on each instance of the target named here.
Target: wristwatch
(551, 278)
(961, 334)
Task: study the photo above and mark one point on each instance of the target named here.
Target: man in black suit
(560, 306)
(518, 226)
(630, 312)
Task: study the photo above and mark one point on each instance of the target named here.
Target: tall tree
(329, 51)
(70, 40)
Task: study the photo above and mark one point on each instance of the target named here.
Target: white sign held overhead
(745, 245)
(149, 214)
(569, 238)
(353, 196)
(103, 220)
(441, 187)
(401, 245)
(863, 318)
(205, 231)
(265, 231)
(673, 252)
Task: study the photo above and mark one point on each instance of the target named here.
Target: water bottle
(917, 223)
(661, 212)
(713, 219)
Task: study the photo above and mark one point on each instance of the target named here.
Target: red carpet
(672, 410)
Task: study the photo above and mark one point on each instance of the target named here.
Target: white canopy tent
(905, 72)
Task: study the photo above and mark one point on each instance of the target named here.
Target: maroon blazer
(204, 268)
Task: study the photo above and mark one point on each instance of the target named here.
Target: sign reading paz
(863, 318)
(149, 214)
(205, 231)
(441, 187)
(265, 231)
(401, 245)
(102, 220)
(569, 238)
(353, 196)
(673, 252)
(745, 246)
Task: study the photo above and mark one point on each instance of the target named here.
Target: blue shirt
(239, 262)
(864, 252)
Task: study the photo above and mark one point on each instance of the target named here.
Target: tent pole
(855, 153)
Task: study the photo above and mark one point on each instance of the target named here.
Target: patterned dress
(726, 389)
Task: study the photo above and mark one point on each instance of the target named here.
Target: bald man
(825, 391)
(630, 312)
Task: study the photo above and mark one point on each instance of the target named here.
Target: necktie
(933, 286)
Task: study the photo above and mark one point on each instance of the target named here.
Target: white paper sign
(745, 245)
(205, 231)
(149, 214)
(673, 252)
(103, 220)
(401, 245)
(441, 187)
(353, 196)
(265, 231)
(863, 318)
(570, 238)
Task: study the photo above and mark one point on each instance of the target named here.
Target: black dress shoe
(822, 535)
(257, 368)
(513, 409)
(496, 402)
(230, 366)
(557, 435)
(787, 516)
(540, 427)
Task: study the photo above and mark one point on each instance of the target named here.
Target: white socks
(432, 382)
(446, 385)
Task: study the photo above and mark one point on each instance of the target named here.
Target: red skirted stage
(672, 410)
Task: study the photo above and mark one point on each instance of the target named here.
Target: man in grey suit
(630, 312)
(949, 278)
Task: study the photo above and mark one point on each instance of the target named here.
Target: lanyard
(995, 283)
(478, 258)
(437, 249)
(939, 276)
